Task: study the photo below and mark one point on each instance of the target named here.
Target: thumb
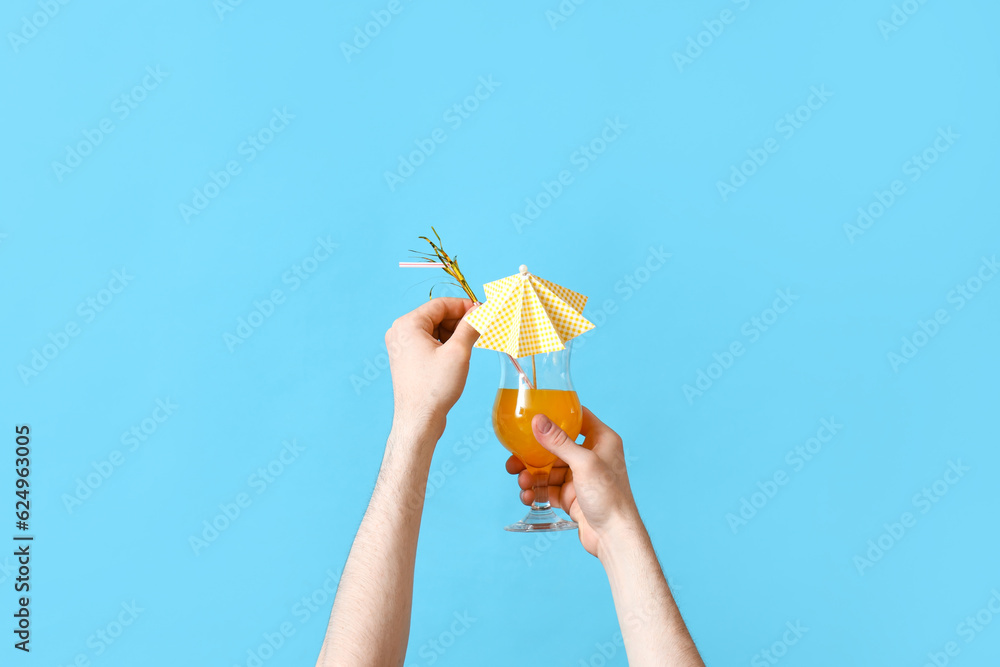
(464, 337)
(555, 440)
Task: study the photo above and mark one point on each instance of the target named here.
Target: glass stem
(541, 487)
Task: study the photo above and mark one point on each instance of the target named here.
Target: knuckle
(618, 467)
(394, 328)
(393, 346)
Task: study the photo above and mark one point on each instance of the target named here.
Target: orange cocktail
(512, 413)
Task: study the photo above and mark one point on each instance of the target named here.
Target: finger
(445, 330)
(555, 440)
(428, 316)
(576, 513)
(567, 494)
(555, 497)
(593, 427)
(557, 477)
(463, 338)
(600, 436)
(514, 465)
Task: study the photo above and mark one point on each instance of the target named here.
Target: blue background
(302, 374)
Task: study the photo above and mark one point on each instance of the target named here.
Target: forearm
(370, 622)
(652, 628)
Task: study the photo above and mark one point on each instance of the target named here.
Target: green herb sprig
(450, 265)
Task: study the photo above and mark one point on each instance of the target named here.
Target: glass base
(541, 521)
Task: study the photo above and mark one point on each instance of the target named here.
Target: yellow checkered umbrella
(525, 315)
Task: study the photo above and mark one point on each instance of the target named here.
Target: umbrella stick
(534, 376)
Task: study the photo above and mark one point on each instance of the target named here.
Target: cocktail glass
(517, 401)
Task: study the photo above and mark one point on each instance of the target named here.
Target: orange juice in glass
(512, 413)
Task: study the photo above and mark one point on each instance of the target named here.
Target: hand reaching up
(589, 481)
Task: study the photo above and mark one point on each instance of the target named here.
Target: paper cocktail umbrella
(526, 315)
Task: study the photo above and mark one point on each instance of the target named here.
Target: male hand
(594, 489)
(429, 350)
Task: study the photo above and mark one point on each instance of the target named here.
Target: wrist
(406, 461)
(419, 430)
(406, 464)
(624, 534)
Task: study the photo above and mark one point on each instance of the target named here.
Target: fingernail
(544, 424)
